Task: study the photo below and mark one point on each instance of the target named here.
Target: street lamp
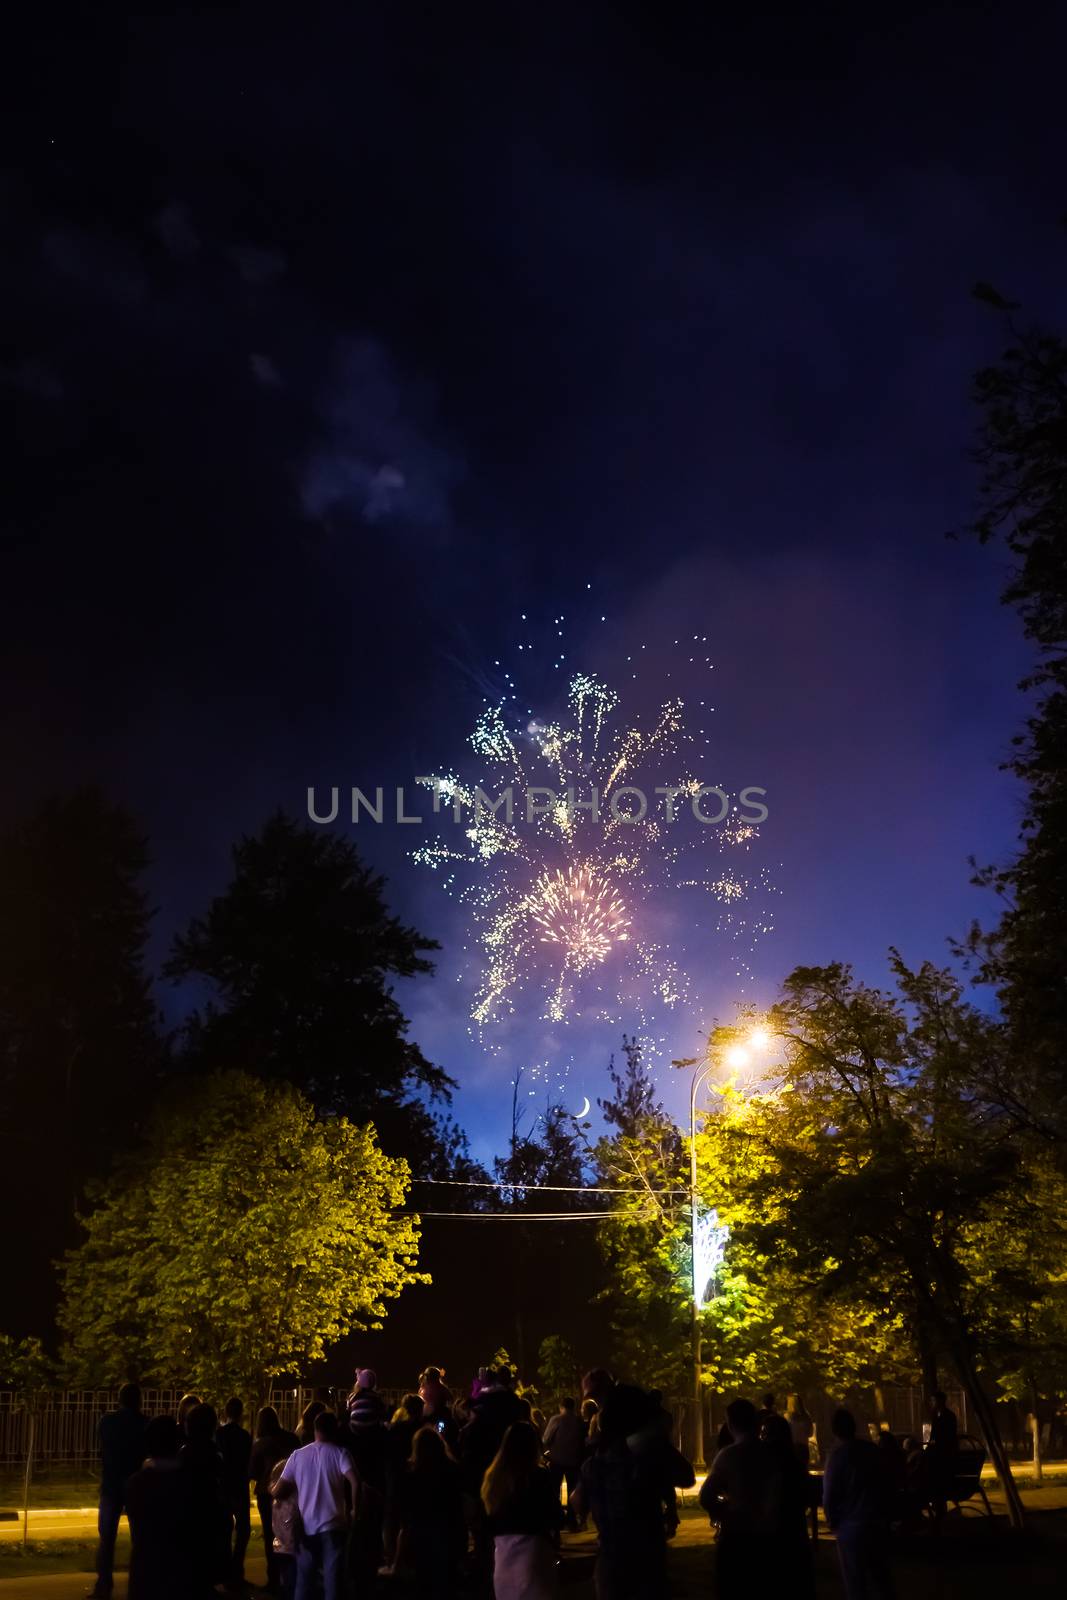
(698, 1399)
(736, 1056)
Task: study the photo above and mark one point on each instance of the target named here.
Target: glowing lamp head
(759, 1039)
(737, 1057)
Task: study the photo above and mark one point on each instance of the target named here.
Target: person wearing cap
(366, 1408)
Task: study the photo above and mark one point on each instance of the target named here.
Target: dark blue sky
(340, 341)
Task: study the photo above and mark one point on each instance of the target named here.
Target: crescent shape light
(584, 1112)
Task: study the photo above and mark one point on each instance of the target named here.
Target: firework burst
(581, 912)
(567, 880)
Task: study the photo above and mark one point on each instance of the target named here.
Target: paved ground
(977, 1557)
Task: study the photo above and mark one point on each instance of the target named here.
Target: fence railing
(67, 1421)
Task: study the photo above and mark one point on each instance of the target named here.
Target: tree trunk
(987, 1420)
(1035, 1423)
(928, 1364)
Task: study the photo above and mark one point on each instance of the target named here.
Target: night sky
(339, 342)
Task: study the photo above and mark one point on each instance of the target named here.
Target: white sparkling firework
(563, 906)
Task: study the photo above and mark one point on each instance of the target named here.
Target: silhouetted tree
(300, 950)
(1022, 452)
(79, 1053)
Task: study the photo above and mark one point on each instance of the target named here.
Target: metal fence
(67, 1421)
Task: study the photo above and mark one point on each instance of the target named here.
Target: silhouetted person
(768, 1408)
(435, 1395)
(480, 1382)
(856, 1499)
(802, 1429)
(564, 1441)
(496, 1409)
(405, 1424)
(524, 1517)
(627, 1484)
(305, 1428)
(159, 1508)
(365, 1436)
(210, 1518)
(319, 1472)
(185, 1405)
(121, 1436)
(916, 1479)
(234, 1444)
(365, 1404)
(431, 1528)
(787, 1566)
(736, 1494)
(285, 1530)
(895, 1466)
(942, 1453)
(597, 1384)
(272, 1444)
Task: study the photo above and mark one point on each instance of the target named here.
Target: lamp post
(737, 1057)
(698, 1398)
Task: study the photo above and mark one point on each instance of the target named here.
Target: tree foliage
(79, 1054)
(1022, 454)
(246, 1238)
(25, 1367)
(300, 950)
(557, 1370)
(768, 1324)
(878, 1162)
(645, 1246)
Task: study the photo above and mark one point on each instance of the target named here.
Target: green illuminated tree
(876, 1160)
(557, 1370)
(645, 1245)
(244, 1240)
(767, 1324)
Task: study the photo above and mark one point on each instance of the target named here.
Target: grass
(41, 1558)
(48, 1492)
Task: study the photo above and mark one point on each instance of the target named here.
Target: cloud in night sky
(175, 231)
(378, 458)
(264, 371)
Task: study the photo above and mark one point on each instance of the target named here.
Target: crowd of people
(468, 1494)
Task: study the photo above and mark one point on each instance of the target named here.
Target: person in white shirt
(318, 1474)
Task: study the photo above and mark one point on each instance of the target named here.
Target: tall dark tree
(79, 1053)
(300, 951)
(1022, 453)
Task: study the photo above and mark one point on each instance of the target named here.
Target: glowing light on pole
(710, 1238)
